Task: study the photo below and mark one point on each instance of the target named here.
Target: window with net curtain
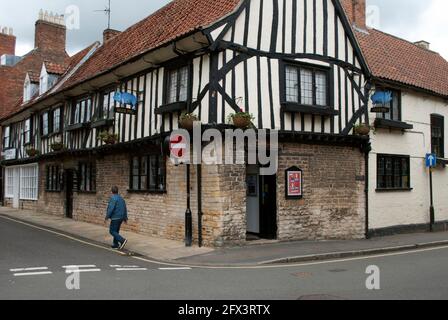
(177, 85)
(306, 86)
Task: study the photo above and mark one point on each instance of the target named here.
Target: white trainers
(123, 244)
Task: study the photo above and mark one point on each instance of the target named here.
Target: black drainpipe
(199, 181)
(367, 153)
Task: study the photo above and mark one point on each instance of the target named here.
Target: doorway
(16, 188)
(69, 176)
(261, 210)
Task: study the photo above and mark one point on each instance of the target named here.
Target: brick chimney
(359, 13)
(50, 34)
(109, 34)
(7, 42)
(423, 44)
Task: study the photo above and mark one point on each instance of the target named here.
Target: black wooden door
(268, 207)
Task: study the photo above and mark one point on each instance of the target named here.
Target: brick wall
(7, 44)
(50, 37)
(333, 206)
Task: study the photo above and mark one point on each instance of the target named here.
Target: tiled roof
(176, 19)
(54, 68)
(397, 60)
(71, 64)
(34, 77)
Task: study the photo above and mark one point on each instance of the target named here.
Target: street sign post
(431, 162)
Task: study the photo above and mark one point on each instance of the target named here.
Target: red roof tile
(394, 59)
(398, 60)
(55, 68)
(176, 19)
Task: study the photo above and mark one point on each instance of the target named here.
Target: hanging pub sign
(294, 183)
(380, 100)
(127, 103)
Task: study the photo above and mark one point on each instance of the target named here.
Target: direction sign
(431, 160)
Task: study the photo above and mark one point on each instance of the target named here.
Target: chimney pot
(50, 34)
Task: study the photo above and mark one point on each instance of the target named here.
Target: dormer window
(49, 75)
(29, 88)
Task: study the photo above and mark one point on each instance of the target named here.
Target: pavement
(257, 253)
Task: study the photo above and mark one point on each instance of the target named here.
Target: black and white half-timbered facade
(294, 65)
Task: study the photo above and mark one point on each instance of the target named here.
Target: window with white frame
(29, 181)
(45, 127)
(27, 131)
(9, 183)
(6, 137)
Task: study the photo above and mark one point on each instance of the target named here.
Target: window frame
(57, 120)
(159, 178)
(6, 137)
(382, 116)
(42, 126)
(166, 90)
(27, 134)
(393, 175)
(110, 92)
(87, 177)
(29, 184)
(53, 179)
(80, 115)
(314, 69)
(435, 118)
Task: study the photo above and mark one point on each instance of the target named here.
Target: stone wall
(333, 205)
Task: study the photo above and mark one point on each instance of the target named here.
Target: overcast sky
(410, 19)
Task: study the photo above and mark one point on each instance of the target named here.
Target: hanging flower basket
(187, 120)
(241, 120)
(32, 152)
(57, 147)
(108, 138)
(362, 129)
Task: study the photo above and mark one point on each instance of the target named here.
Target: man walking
(117, 213)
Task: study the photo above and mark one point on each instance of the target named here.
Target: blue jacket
(116, 209)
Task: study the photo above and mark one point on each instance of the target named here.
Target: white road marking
(81, 270)
(120, 266)
(28, 269)
(78, 267)
(283, 266)
(131, 269)
(32, 274)
(175, 269)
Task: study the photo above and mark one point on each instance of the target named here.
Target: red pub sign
(294, 183)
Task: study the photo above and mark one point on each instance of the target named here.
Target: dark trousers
(114, 230)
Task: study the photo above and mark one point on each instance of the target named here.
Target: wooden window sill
(392, 124)
(305, 109)
(394, 190)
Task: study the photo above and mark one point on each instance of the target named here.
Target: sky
(412, 20)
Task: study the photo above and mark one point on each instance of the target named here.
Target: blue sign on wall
(382, 97)
(126, 99)
(431, 160)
